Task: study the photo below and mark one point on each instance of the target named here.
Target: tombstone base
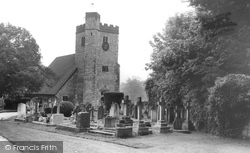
(127, 121)
(182, 131)
(109, 122)
(20, 120)
(81, 129)
(122, 132)
(71, 128)
(143, 129)
(188, 125)
(148, 124)
(185, 125)
(163, 126)
(29, 118)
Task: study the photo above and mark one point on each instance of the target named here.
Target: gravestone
(153, 115)
(21, 110)
(158, 112)
(142, 129)
(117, 110)
(135, 112)
(76, 110)
(130, 111)
(126, 106)
(92, 113)
(139, 108)
(177, 121)
(88, 108)
(168, 114)
(83, 121)
(114, 110)
(122, 108)
(56, 119)
(187, 124)
(161, 123)
(149, 111)
(100, 112)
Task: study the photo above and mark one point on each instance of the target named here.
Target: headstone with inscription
(153, 115)
(135, 112)
(100, 112)
(83, 121)
(21, 110)
(177, 121)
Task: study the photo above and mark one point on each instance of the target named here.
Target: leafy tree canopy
(239, 10)
(134, 88)
(20, 62)
(192, 51)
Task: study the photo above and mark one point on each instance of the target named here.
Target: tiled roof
(64, 67)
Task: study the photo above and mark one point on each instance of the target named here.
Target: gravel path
(85, 142)
(4, 116)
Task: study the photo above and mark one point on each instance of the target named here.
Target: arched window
(83, 41)
(105, 39)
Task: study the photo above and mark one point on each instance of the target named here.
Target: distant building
(93, 69)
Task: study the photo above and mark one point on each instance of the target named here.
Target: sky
(53, 22)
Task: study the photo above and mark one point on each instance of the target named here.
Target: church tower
(96, 55)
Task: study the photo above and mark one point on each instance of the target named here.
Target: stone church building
(93, 69)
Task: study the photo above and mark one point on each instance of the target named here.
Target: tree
(239, 11)
(176, 56)
(151, 89)
(20, 62)
(134, 88)
(234, 48)
(192, 51)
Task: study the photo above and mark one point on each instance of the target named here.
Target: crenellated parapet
(109, 28)
(103, 28)
(80, 28)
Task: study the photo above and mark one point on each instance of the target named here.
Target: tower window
(65, 98)
(83, 41)
(105, 68)
(105, 39)
(105, 44)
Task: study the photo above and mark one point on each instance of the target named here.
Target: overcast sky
(53, 24)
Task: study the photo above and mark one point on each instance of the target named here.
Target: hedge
(66, 108)
(227, 107)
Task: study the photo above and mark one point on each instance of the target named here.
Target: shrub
(227, 107)
(66, 108)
